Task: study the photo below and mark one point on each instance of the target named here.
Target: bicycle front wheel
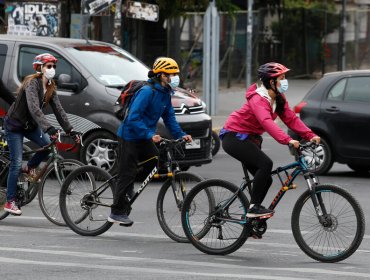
(339, 234)
(214, 217)
(50, 189)
(85, 200)
(169, 204)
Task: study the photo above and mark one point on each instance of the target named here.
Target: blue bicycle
(328, 224)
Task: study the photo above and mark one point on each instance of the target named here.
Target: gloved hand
(76, 136)
(53, 132)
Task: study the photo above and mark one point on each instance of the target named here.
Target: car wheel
(358, 168)
(99, 153)
(321, 161)
(215, 143)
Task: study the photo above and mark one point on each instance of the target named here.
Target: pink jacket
(256, 116)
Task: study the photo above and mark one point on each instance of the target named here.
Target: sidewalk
(231, 99)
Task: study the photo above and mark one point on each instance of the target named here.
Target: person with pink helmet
(25, 118)
(241, 134)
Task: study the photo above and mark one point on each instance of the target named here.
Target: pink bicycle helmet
(43, 58)
(271, 70)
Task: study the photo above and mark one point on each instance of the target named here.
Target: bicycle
(47, 184)
(86, 195)
(327, 222)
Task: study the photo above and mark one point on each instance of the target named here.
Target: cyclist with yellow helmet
(137, 133)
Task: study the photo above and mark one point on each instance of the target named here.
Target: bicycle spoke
(86, 198)
(216, 225)
(341, 231)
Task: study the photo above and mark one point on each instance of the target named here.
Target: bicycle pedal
(256, 236)
(15, 214)
(126, 225)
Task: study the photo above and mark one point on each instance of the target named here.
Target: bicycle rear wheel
(85, 200)
(215, 224)
(169, 204)
(50, 186)
(342, 231)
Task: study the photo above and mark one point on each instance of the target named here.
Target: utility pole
(342, 41)
(248, 62)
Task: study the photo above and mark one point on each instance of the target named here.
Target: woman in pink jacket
(241, 134)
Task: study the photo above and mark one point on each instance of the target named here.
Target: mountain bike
(47, 183)
(86, 195)
(327, 222)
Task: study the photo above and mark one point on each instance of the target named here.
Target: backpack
(122, 104)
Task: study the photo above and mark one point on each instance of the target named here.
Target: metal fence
(306, 41)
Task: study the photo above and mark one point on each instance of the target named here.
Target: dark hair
(280, 100)
(280, 103)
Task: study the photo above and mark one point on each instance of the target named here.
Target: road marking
(85, 255)
(175, 272)
(123, 234)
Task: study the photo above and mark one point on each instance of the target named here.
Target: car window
(337, 91)
(3, 51)
(358, 89)
(27, 54)
(110, 65)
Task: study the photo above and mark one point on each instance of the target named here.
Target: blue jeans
(15, 144)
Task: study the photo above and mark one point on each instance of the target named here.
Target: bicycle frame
(299, 166)
(53, 159)
(171, 173)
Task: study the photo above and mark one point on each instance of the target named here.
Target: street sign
(93, 7)
(143, 11)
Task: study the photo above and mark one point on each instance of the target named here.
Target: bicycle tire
(168, 212)
(49, 189)
(336, 241)
(79, 204)
(196, 217)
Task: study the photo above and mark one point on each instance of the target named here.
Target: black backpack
(122, 105)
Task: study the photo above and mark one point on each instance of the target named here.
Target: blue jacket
(147, 106)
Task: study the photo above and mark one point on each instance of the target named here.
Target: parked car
(337, 109)
(89, 76)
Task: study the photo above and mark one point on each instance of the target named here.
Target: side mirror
(64, 82)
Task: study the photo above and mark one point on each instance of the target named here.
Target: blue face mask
(283, 86)
(175, 81)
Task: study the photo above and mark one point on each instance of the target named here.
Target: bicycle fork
(316, 198)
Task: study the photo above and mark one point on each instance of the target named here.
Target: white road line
(85, 255)
(117, 234)
(175, 272)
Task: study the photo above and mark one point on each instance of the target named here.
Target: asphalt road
(33, 248)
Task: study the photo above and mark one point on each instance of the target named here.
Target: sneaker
(31, 174)
(123, 220)
(259, 211)
(12, 208)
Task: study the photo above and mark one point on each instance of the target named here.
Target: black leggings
(130, 154)
(256, 162)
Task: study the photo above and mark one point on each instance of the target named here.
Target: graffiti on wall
(33, 18)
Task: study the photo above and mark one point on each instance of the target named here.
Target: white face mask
(283, 86)
(175, 81)
(49, 73)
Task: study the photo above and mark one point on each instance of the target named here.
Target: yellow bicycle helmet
(165, 65)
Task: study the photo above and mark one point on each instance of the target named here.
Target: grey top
(32, 104)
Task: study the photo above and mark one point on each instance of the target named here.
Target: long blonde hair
(50, 88)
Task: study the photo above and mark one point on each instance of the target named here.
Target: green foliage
(175, 8)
